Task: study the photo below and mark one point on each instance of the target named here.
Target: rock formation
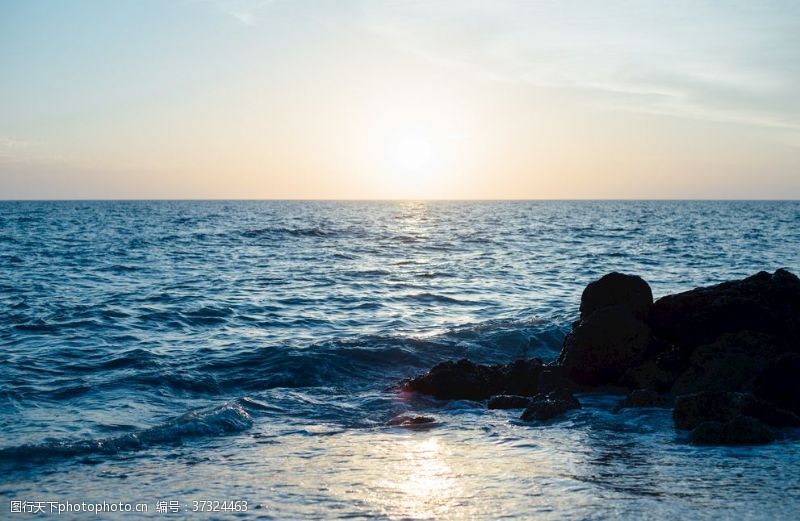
(727, 355)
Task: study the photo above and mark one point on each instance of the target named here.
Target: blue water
(246, 351)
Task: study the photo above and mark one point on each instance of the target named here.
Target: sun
(410, 154)
(410, 164)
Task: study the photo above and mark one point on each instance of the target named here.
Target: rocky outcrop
(728, 355)
(729, 363)
(546, 406)
(604, 345)
(765, 303)
(466, 380)
(617, 289)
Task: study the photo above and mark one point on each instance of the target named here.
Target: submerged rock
(545, 406)
(410, 421)
(740, 430)
(466, 380)
(508, 401)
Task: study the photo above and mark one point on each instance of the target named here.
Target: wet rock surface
(466, 380)
(411, 421)
(546, 406)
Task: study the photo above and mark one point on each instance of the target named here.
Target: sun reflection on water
(421, 484)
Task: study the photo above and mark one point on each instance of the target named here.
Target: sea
(240, 359)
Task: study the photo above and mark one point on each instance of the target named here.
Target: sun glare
(411, 154)
(410, 164)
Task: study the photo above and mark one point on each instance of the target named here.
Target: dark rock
(729, 363)
(720, 406)
(604, 346)
(766, 303)
(644, 398)
(740, 430)
(466, 380)
(617, 289)
(779, 382)
(508, 401)
(546, 406)
(658, 373)
(410, 421)
(552, 378)
(521, 377)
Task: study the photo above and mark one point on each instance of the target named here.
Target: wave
(273, 232)
(230, 418)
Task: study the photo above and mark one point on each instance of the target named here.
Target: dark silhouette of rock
(729, 363)
(657, 373)
(779, 382)
(552, 378)
(410, 421)
(545, 406)
(466, 380)
(644, 398)
(766, 303)
(728, 354)
(604, 346)
(617, 289)
(740, 430)
(508, 401)
(521, 377)
(721, 406)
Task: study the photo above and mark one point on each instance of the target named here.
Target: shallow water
(182, 351)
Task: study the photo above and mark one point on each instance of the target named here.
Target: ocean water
(247, 351)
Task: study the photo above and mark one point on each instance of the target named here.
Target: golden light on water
(422, 482)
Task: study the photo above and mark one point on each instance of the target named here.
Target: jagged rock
(508, 401)
(466, 380)
(720, 406)
(545, 406)
(617, 289)
(410, 421)
(644, 398)
(779, 382)
(729, 363)
(766, 303)
(740, 430)
(604, 346)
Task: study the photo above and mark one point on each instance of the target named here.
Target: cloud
(247, 12)
(736, 62)
(12, 149)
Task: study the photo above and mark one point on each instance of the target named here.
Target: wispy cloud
(734, 62)
(12, 149)
(247, 12)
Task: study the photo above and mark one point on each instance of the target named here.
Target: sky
(384, 99)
